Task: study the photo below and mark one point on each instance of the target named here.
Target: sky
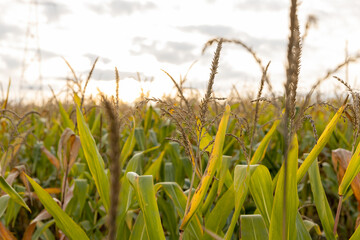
(141, 38)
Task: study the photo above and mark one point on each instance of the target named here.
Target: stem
(64, 185)
(190, 190)
(338, 214)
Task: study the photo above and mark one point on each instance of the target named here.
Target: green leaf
(145, 193)
(356, 234)
(140, 138)
(62, 220)
(261, 191)
(321, 202)
(12, 212)
(94, 160)
(68, 123)
(169, 172)
(253, 227)
(43, 229)
(77, 202)
(351, 171)
(148, 119)
(216, 220)
(128, 146)
(174, 192)
(210, 197)
(139, 230)
(311, 225)
(126, 192)
(225, 164)
(301, 231)
(242, 176)
(168, 216)
(173, 153)
(11, 152)
(12, 193)
(4, 200)
(95, 127)
(261, 150)
(155, 166)
(277, 225)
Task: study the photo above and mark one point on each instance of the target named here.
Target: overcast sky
(147, 36)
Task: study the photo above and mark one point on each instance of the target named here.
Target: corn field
(275, 167)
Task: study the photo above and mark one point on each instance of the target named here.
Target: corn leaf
(77, 100)
(43, 229)
(216, 220)
(277, 225)
(62, 220)
(155, 166)
(253, 227)
(261, 191)
(126, 191)
(12, 193)
(140, 138)
(94, 160)
(261, 150)
(210, 170)
(311, 225)
(356, 234)
(301, 231)
(210, 197)
(226, 160)
(68, 123)
(145, 193)
(324, 138)
(351, 171)
(341, 159)
(128, 146)
(321, 202)
(174, 192)
(168, 216)
(173, 152)
(139, 230)
(3, 204)
(12, 152)
(242, 176)
(205, 138)
(148, 119)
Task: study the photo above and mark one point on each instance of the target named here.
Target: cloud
(227, 73)
(109, 74)
(92, 58)
(11, 63)
(262, 5)
(129, 7)
(54, 11)
(263, 47)
(212, 30)
(171, 52)
(45, 54)
(7, 30)
(117, 7)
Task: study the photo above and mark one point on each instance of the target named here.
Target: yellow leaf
(210, 170)
(324, 138)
